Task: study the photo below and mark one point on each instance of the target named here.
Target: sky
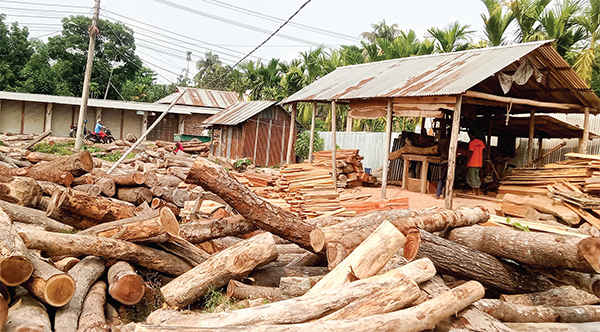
(166, 29)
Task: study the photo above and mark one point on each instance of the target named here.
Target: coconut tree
(206, 65)
(527, 14)
(559, 24)
(451, 38)
(586, 58)
(381, 30)
(495, 22)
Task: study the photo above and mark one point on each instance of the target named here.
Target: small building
(259, 130)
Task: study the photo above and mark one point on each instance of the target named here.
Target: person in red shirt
(474, 162)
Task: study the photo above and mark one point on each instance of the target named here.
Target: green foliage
(92, 149)
(517, 225)
(140, 311)
(216, 299)
(61, 149)
(115, 156)
(302, 146)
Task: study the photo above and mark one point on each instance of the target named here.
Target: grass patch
(92, 149)
(61, 149)
(116, 156)
(215, 300)
(149, 303)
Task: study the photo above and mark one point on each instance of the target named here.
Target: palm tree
(586, 58)
(450, 37)
(496, 23)
(527, 13)
(559, 24)
(208, 64)
(381, 30)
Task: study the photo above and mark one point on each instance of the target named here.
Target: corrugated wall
(370, 145)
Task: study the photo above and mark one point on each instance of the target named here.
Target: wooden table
(424, 160)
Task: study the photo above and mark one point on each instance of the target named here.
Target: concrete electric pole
(93, 30)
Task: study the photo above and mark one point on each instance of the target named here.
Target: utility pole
(93, 30)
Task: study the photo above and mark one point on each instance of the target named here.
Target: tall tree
(381, 30)
(206, 65)
(496, 22)
(527, 14)
(586, 58)
(451, 38)
(559, 24)
(15, 51)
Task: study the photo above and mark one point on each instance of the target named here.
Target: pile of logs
(349, 166)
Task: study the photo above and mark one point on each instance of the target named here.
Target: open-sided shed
(488, 82)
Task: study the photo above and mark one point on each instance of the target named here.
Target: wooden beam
(583, 142)
(420, 113)
(388, 138)
(529, 102)
(540, 149)
(145, 124)
(48, 117)
(333, 143)
(288, 160)
(256, 139)
(452, 150)
(312, 132)
(22, 117)
(531, 132)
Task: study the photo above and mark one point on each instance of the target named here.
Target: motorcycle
(73, 130)
(104, 136)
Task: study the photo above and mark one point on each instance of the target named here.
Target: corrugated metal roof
(202, 98)
(239, 113)
(436, 74)
(102, 103)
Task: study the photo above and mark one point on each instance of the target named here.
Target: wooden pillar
(48, 117)
(22, 117)
(145, 123)
(386, 154)
(256, 138)
(288, 160)
(282, 144)
(181, 127)
(540, 150)
(312, 132)
(333, 142)
(530, 141)
(452, 153)
(583, 142)
(268, 143)
(349, 124)
(98, 114)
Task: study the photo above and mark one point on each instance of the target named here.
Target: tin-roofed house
(259, 130)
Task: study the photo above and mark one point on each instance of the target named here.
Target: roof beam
(520, 101)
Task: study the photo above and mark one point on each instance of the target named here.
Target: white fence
(370, 145)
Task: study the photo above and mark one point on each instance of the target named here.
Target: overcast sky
(232, 28)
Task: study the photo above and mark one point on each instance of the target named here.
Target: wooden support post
(541, 149)
(288, 160)
(386, 155)
(349, 124)
(145, 123)
(312, 132)
(452, 153)
(48, 118)
(333, 142)
(268, 142)
(181, 127)
(255, 139)
(530, 141)
(583, 142)
(98, 114)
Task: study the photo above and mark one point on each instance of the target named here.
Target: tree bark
(118, 223)
(85, 274)
(66, 263)
(36, 157)
(93, 207)
(554, 327)
(216, 272)
(470, 264)
(45, 173)
(158, 203)
(48, 284)
(418, 318)
(297, 286)
(419, 270)
(200, 231)
(171, 181)
(589, 248)
(546, 205)
(410, 149)
(241, 291)
(15, 266)
(76, 164)
(126, 180)
(22, 191)
(518, 313)
(256, 210)
(92, 317)
(155, 229)
(586, 281)
(27, 315)
(72, 244)
(135, 195)
(270, 276)
(84, 179)
(107, 186)
(563, 296)
(368, 258)
(91, 189)
(532, 248)
(125, 285)
(65, 217)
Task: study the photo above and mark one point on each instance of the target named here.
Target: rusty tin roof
(202, 98)
(444, 74)
(239, 113)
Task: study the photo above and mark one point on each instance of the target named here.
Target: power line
(45, 4)
(233, 22)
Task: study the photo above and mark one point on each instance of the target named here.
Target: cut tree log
(411, 149)
(422, 317)
(36, 157)
(554, 327)
(270, 276)
(41, 174)
(264, 215)
(366, 260)
(85, 274)
(65, 217)
(72, 244)
(91, 189)
(107, 186)
(589, 248)
(27, 314)
(135, 195)
(118, 223)
(178, 197)
(241, 291)
(470, 264)
(518, 313)
(92, 317)
(36, 140)
(586, 281)
(295, 310)
(171, 181)
(185, 250)
(546, 205)
(48, 284)
(297, 286)
(4, 302)
(22, 191)
(125, 285)
(126, 180)
(66, 263)
(93, 207)
(532, 248)
(563, 296)
(158, 203)
(204, 230)
(158, 229)
(216, 272)
(32, 216)
(15, 267)
(76, 164)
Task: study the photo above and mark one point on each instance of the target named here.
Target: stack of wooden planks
(349, 166)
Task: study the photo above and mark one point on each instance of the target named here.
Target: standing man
(474, 162)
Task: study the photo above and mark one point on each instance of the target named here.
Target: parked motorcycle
(104, 136)
(73, 130)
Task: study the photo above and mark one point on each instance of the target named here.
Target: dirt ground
(418, 201)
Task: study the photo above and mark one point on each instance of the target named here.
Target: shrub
(302, 146)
